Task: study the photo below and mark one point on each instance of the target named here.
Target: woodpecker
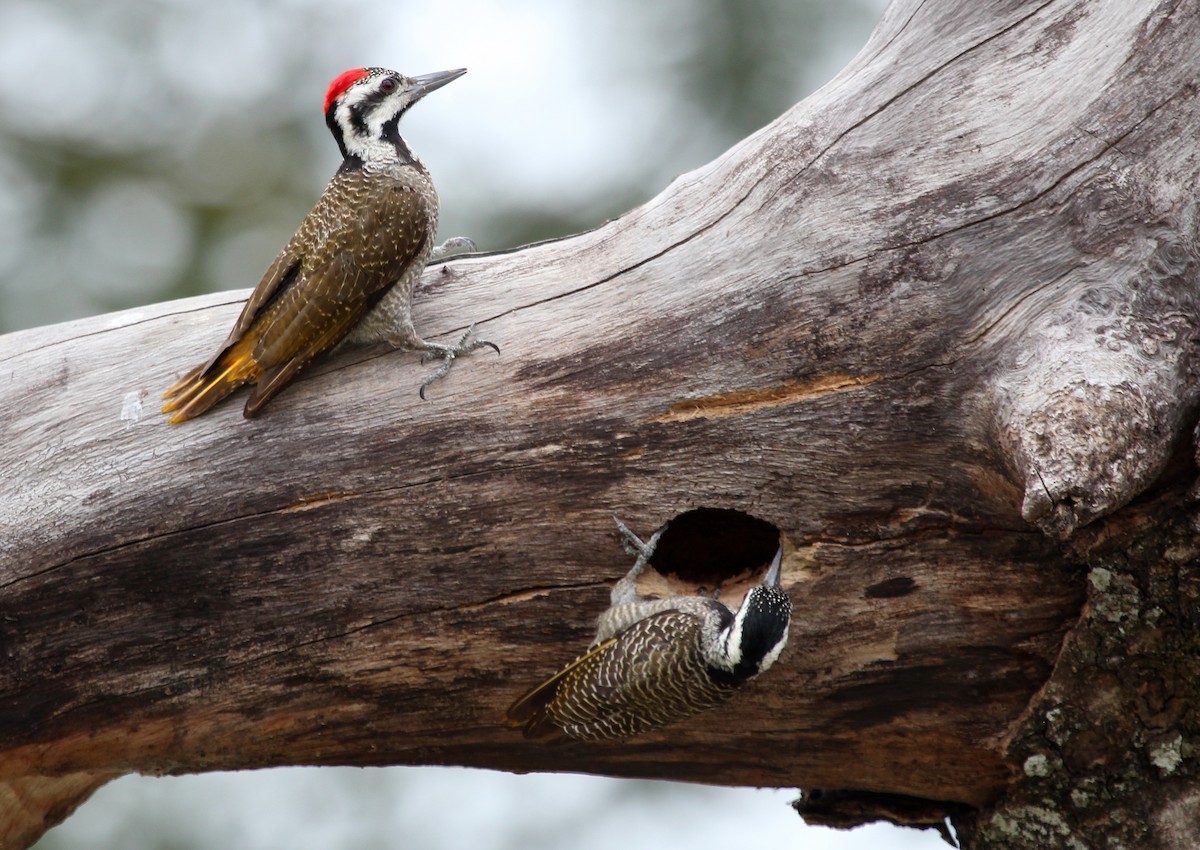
(656, 661)
(349, 271)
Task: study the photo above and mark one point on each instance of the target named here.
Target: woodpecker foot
(448, 353)
(634, 545)
(625, 590)
(454, 245)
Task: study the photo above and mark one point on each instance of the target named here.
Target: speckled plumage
(657, 661)
(390, 319)
(349, 271)
(653, 675)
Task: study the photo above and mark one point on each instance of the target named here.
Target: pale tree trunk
(936, 325)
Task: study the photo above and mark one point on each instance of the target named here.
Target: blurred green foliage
(152, 149)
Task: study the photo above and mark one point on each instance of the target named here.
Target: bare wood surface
(929, 324)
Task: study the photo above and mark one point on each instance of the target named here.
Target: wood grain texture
(929, 323)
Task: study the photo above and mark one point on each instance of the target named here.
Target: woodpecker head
(758, 632)
(363, 108)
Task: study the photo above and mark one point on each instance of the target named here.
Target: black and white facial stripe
(755, 636)
(365, 118)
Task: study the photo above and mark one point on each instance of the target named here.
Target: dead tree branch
(937, 325)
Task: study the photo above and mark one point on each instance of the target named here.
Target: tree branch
(928, 324)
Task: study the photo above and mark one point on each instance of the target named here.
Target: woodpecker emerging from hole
(349, 271)
(657, 661)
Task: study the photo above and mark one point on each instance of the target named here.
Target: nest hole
(709, 549)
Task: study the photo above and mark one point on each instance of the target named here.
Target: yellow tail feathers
(204, 386)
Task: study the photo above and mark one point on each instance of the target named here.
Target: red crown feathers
(342, 82)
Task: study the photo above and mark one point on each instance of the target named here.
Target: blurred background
(152, 149)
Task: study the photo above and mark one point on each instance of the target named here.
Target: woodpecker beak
(771, 579)
(423, 85)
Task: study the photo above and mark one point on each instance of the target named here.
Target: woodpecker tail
(206, 385)
(531, 713)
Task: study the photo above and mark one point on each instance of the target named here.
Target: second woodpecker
(656, 661)
(349, 271)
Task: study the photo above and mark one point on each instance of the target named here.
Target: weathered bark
(937, 325)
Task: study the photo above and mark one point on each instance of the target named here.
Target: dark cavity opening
(715, 548)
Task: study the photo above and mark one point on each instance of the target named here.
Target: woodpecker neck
(377, 148)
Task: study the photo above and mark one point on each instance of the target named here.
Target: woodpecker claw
(625, 590)
(448, 354)
(454, 245)
(634, 545)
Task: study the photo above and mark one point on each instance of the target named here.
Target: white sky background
(448, 809)
(561, 102)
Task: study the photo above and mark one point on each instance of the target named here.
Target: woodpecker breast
(658, 661)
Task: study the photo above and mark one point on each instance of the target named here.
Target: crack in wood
(799, 174)
(1018, 304)
(317, 500)
(745, 401)
(519, 596)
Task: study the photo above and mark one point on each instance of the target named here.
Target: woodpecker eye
(388, 85)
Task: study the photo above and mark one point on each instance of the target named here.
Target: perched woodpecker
(349, 272)
(657, 661)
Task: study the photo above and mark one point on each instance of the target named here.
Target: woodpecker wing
(309, 327)
(356, 267)
(349, 251)
(529, 711)
(352, 217)
(649, 675)
(281, 273)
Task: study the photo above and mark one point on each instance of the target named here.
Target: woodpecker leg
(448, 353)
(625, 590)
(454, 245)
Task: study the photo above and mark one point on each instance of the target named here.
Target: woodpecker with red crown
(349, 272)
